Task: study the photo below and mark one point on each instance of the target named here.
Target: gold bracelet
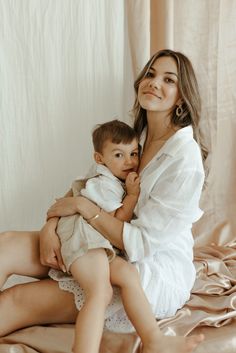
(94, 217)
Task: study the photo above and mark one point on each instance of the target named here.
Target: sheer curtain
(64, 67)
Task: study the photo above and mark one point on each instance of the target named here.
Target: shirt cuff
(133, 243)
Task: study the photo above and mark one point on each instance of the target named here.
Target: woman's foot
(171, 344)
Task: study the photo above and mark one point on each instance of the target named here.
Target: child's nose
(128, 160)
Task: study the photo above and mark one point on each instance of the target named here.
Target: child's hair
(115, 131)
(189, 92)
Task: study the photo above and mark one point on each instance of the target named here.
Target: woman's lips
(152, 94)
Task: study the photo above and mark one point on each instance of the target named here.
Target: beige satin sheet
(211, 310)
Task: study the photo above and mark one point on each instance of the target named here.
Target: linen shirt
(160, 238)
(103, 188)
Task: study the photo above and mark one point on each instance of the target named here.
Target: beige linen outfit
(76, 235)
(159, 240)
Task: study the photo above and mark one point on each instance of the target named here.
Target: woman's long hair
(189, 92)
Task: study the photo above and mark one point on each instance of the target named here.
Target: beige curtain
(205, 31)
(64, 67)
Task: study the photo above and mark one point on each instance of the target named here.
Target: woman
(159, 241)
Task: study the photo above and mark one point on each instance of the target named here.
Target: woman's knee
(6, 238)
(19, 254)
(6, 243)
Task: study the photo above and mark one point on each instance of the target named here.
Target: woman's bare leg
(138, 309)
(92, 272)
(34, 303)
(19, 254)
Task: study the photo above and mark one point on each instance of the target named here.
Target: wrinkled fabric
(213, 298)
(212, 305)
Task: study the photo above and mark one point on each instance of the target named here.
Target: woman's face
(158, 91)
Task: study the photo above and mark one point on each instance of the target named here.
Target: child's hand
(132, 184)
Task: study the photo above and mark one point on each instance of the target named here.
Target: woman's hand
(50, 246)
(65, 206)
(68, 206)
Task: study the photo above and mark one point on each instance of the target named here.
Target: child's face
(120, 159)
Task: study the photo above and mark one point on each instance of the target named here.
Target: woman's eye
(149, 74)
(169, 80)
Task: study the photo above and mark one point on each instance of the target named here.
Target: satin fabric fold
(211, 310)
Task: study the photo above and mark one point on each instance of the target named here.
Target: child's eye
(134, 154)
(118, 155)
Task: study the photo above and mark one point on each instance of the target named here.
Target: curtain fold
(205, 31)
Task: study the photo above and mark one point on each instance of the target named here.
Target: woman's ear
(98, 157)
(179, 102)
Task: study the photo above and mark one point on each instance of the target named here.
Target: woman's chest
(149, 152)
(151, 177)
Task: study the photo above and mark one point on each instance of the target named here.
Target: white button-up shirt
(160, 241)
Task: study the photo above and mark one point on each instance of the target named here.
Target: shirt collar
(103, 170)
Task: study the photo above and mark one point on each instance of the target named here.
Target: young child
(112, 183)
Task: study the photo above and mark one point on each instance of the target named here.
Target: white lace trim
(116, 319)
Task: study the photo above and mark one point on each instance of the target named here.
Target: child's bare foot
(171, 344)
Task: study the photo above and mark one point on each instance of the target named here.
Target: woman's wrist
(52, 222)
(95, 216)
(86, 208)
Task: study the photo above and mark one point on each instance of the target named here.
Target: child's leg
(19, 254)
(92, 272)
(137, 307)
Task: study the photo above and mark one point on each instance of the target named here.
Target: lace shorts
(163, 297)
(116, 319)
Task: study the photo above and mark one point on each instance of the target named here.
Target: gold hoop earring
(179, 110)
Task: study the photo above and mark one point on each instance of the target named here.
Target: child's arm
(125, 212)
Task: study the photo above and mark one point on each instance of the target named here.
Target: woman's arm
(109, 226)
(49, 243)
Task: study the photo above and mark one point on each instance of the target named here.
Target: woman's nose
(155, 83)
